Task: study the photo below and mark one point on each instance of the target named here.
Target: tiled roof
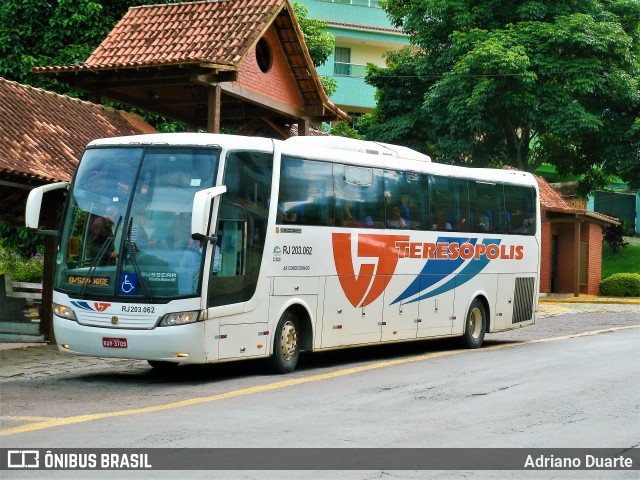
(215, 32)
(550, 199)
(183, 47)
(43, 134)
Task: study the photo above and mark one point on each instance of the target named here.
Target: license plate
(108, 342)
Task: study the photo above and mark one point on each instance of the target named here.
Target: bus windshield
(127, 230)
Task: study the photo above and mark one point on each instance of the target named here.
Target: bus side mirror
(34, 204)
(201, 212)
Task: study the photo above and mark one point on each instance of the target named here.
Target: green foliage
(621, 285)
(398, 116)
(18, 239)
(64, 32)
(21, 269)
(320, 43)
(554, 82)
(613, 236)
(44, 33)
(626, 260)
(329, 84)
(343, 129)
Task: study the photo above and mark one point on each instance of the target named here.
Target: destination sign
(84, 280)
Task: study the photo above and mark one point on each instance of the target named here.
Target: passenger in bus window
(405, 208)
(286, 216)
(484, 223)
(441, 222)
(396, 220)
(101, 229)
(138, 234)
(528, 226)
(347, 217)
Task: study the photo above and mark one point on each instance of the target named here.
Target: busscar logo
(379, 255)
(23, 459)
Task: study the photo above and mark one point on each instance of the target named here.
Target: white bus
(200, 248)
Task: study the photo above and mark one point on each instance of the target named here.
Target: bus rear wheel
(475, 325)
(286, 347)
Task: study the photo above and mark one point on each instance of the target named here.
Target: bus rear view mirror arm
(201, 212)
(34, 205)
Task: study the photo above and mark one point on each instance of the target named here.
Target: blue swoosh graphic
(473, 268)
(434, 270)
(82, 305)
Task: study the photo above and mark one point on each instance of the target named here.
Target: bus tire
(286, 345)
(161, 365)
(475, 325)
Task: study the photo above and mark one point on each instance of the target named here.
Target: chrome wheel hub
(289, 340)
(475, 322)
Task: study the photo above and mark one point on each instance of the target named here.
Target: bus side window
(359, 195)
(487, 209)
(306, 192)
(449, 203)
(403, 205)
(520, 215)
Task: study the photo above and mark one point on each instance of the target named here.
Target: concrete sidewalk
(569, 298)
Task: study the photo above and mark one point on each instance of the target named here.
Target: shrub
(19, 240)
(613, 235)
(621, 285)
(21, 269)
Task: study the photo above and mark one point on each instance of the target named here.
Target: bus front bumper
(183, 343)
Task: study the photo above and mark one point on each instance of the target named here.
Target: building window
(263, 55)
(342, 62)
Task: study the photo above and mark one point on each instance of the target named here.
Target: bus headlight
(179, 318)
(63, 311)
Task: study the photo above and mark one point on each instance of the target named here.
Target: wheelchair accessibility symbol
(128, 284)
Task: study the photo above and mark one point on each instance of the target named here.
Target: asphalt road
(569, 381)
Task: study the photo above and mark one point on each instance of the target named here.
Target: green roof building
(363, 35)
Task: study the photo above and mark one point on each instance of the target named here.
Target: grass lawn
(627, 260)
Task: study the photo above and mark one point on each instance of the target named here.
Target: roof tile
(43, 134)
(550, 199)
(184, 32)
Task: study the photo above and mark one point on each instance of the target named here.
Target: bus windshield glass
(127, 230)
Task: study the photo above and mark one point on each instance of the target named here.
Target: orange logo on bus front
(366, 286)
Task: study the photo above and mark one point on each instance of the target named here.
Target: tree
(540, 81)
(320, 43)
(343, 129)
(64, 32)
(42, 32)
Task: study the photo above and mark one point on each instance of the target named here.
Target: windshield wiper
(106, 246)
(132, 249)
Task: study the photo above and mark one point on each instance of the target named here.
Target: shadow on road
(310, 363)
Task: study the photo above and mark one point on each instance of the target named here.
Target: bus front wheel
(286, 348)
(475, 325)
